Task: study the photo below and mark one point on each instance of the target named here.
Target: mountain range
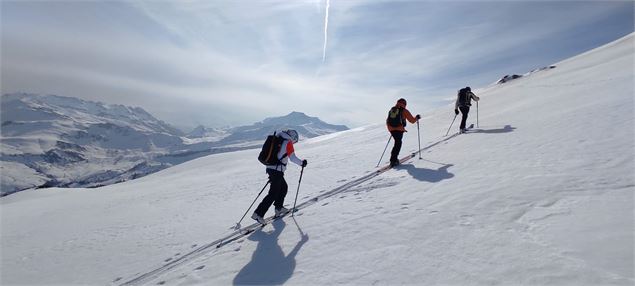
(50, 140)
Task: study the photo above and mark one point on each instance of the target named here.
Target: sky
(228, 63)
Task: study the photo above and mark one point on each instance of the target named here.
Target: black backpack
(464, 97)
(269, 153)
(395, 117)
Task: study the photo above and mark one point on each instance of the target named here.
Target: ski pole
(477, 114)
(297, 191)
(252, 204)
(382, 154)
(419, 134)
(446, 133)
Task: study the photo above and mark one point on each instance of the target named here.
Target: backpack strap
(285, 152)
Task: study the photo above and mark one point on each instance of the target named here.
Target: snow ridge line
(240, 233)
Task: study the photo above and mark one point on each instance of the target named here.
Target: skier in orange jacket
(396, 123)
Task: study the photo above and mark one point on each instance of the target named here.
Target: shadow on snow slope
(506, 129)
(269, 265)
(428, 175)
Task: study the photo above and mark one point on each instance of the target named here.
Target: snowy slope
(541, 193)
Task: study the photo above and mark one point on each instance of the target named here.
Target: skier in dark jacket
(463, 103)
(278, 188)
(396, 123)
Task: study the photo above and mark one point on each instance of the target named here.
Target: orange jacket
(405, 114)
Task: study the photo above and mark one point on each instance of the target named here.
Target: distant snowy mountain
(56, 141)
(307, 127)
(246, 137)
(63, 141)
(207, 132)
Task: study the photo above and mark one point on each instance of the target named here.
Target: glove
(456, 111)
(304, 163)
(418, 117)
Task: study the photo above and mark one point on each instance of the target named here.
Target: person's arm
(476, 98)
(409, 116)
(291, 154)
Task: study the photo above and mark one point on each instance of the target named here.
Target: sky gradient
(220, 63)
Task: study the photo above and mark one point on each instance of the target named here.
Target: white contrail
(326, 29)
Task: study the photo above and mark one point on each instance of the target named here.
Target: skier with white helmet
(278, 188)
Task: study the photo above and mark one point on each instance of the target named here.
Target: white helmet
(293, 134)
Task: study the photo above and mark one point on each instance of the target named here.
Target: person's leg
(464, 111)
(279, 202)
(276, 180)
(394, 154)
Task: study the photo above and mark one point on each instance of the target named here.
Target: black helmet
(468, 88)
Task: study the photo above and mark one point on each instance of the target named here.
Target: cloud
(220, 63)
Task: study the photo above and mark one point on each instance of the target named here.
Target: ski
(469, 128)
(245, 231)
(282, 215)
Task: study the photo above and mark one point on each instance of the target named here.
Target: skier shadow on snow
(269, 265)
(505, 129)
(427, 175)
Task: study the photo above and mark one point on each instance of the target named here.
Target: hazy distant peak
(295, 117)
(23, 106)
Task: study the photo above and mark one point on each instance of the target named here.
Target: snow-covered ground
(541, 193)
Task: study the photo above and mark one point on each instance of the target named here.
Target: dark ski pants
(277, 192)
(394, 154)
(464, 111)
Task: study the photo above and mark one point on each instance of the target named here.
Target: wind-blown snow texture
(541, 193)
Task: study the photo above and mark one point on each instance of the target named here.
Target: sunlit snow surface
(541, 193)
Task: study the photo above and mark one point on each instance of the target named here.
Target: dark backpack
(270, 149)
(464, 97)
(395, 117)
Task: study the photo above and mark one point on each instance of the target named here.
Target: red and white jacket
(286, 148)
